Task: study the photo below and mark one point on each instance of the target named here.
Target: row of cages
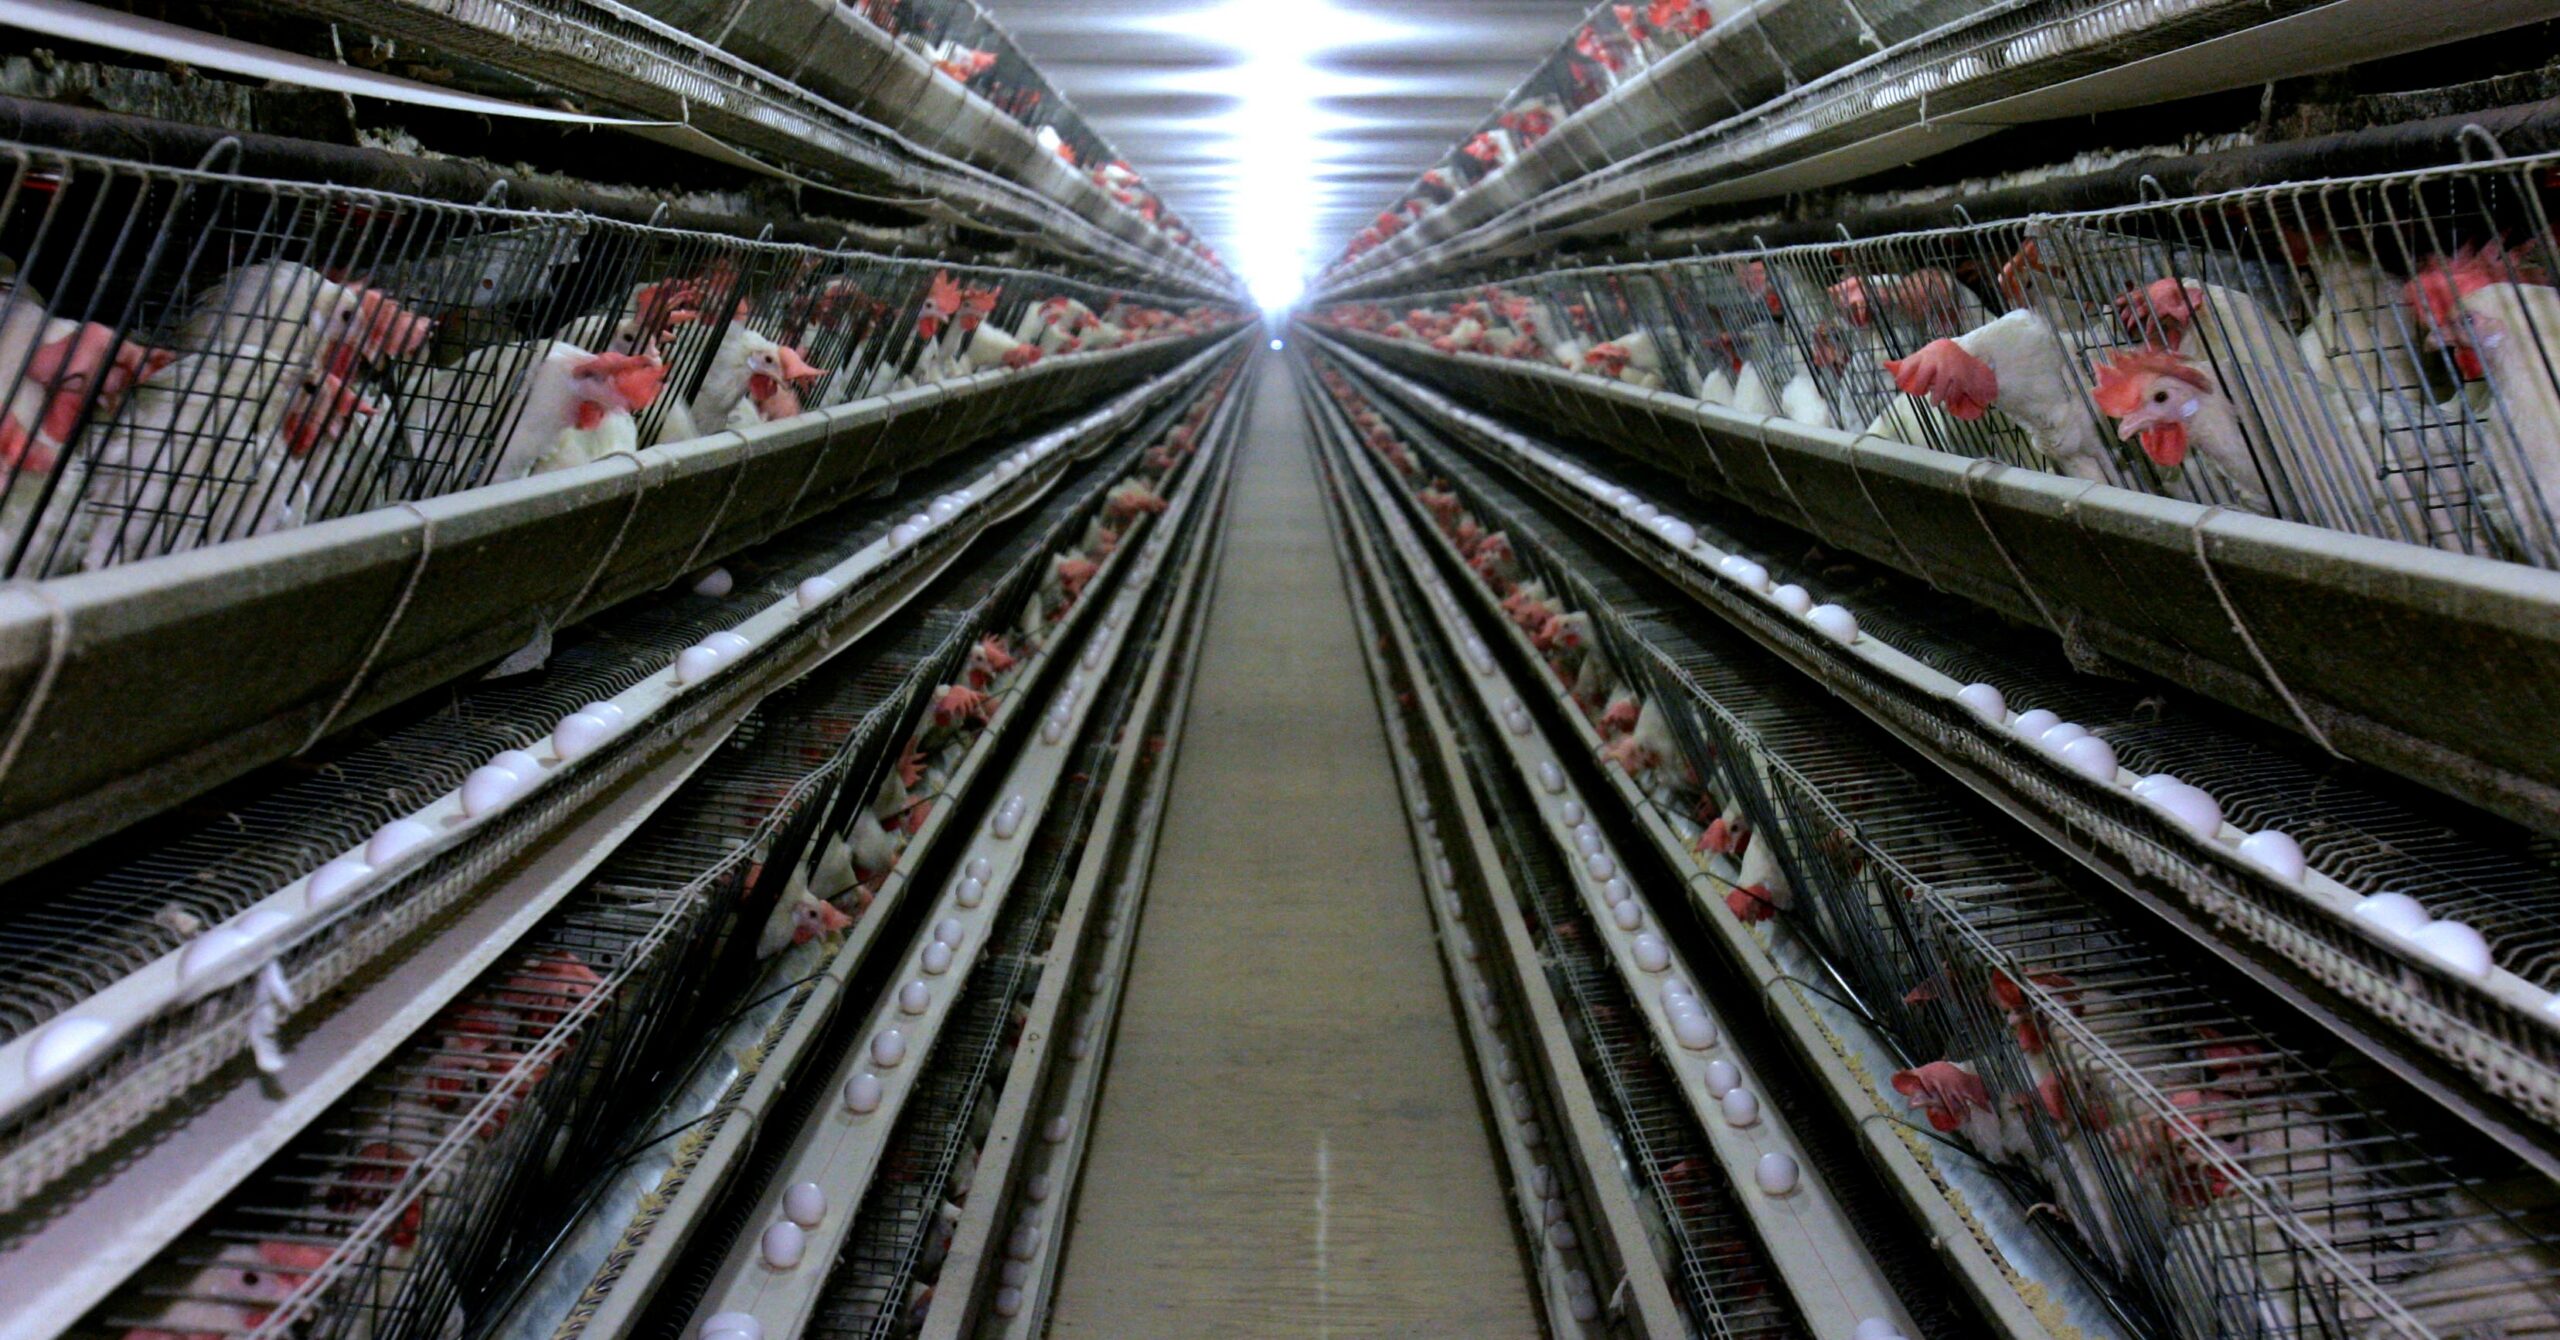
(2370, 354)
(2210, 1159)
(192, 356)
(972, 50)
(429, 1201)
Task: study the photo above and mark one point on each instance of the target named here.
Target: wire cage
(410, 1208)
(1725, 1279)
(196, 356)
(2224, 1172)
(2367, 354)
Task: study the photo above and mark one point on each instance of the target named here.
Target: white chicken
(2015, 363)
(563, 406)
(2501, 328)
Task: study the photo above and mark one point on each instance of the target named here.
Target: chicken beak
(638, 386)
(831, 919)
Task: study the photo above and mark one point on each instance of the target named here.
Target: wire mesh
(411, 1207)
(2232, 1178)
(224, 356)
(1726, 1281)
(2368, 354)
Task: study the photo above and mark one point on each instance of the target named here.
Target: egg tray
(831, 51)
(1728, 1275)
(2406, 1011)
(1811, 1009)
(730, 1268)
(480, 1209)
(2000, 65)
(626, 60)
(1867, 844)
(1527, 1065)
(1087, 959)
(244, 651)
(183, 1043)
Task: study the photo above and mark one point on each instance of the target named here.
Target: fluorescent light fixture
(1275, 133)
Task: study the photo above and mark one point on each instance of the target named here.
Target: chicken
(207, 448)
(231, 1293)
(2174, 408)
(1761, 890)
(2359, 336)
(301, 319)
(1802, 401)
(1955, 1101)
(2016, 363)
(1751, 393)
(564, 407)
(751, 379)
(990, 663)
(799, 916)
(55, 369)
(2482, 308)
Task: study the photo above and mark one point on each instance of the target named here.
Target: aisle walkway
(1289, 1142)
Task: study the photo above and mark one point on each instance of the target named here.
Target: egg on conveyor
(715, 583)
(1776, 1172)
(2275, 851)
(2455, 947)
(1984, 701)
(2033, 724)
(2090, 757)
(1793, 599)
(1836, 623)
(2394, 914)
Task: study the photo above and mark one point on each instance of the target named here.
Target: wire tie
(57, 650)
(382, 636)
(2266, 667)
(737, 471)
(1982, 465)
(1770, 454)
(1858, 472)
(639, 492)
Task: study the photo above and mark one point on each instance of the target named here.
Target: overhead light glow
(1276, 132)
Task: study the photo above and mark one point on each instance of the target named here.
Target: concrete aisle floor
(1288, 1142)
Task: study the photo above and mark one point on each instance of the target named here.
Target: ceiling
(1279, 128)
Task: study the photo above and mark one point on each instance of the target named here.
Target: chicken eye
(2159, 397)
(250, 1278)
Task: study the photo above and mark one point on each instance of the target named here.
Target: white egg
(1627, 913)
(731, 644)
(814, 591)
(1008, 821)
(209, 951)
(1680, 533)
(1792, 598)
(1562, 1237)
(1643, 513)
(2392, 913)
(936, 958)
(331, 882)
(1599, 865)
(1024, 1243)
(1748, 575)
(1008, 1301)
(979, 868)
(396, 839)
(805, 1203)
(1616, 891)
(1984, 701)
(949, 931)
(260, 922)
(2274, 851)
(696, 663)
(1519, 723)
(64, 1044)
(888, 1047)
(914, 998)
(1467, 947)
(715, 583)
(1740, 1108)
(1542, 1181)
(1570, 811)
(784, 1243)
(2091, 757)
(612, 714)
(2034, 724)
(1551, 777)
(1676, 990)
(578, 735)
(1836, 623)
(943, 509)
(735, 1321)
(903, 534)
(488, 788)
(970, 892)
(2457, 947)
(2054, 737)
(2193, 810)
(1721, 1077)
(1036, 1190)
(1693, 1030)
(1551, 1210)
(1776, 1172)
(1583, 1306)
(2153, 782)
(1056, 1131)
(1053, 731)
(1651, 954)
(1586, 838)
